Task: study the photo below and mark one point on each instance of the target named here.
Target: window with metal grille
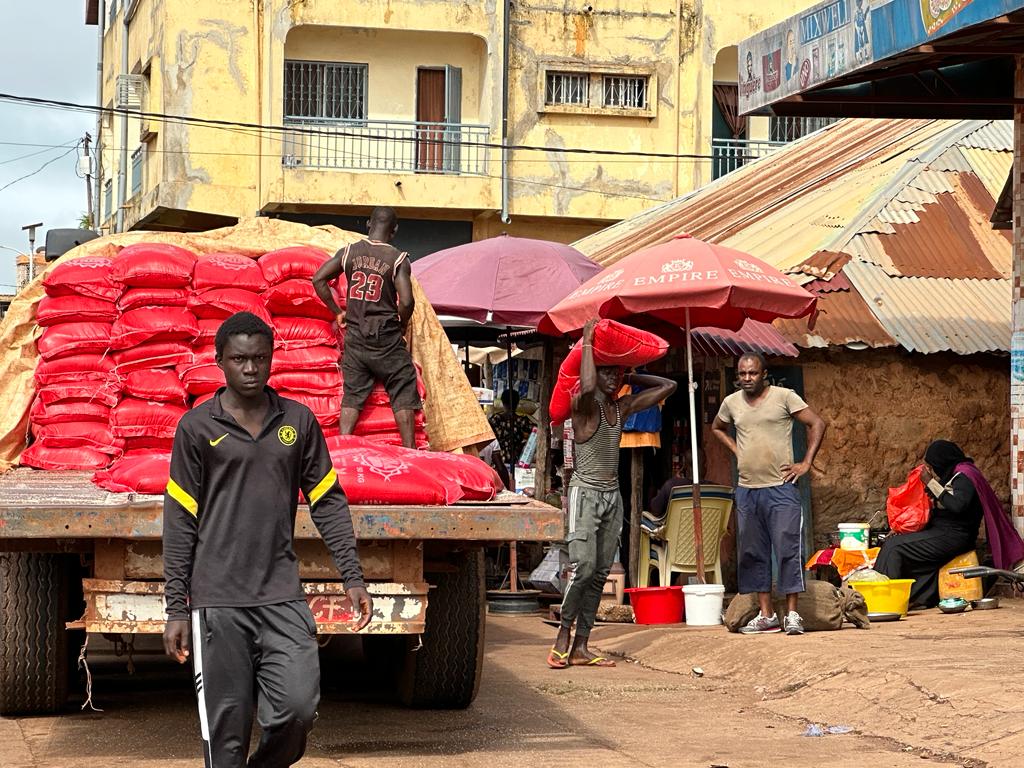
(137, 160)
(108, 198)
(324, 89)
(625, 91)
(567, 88)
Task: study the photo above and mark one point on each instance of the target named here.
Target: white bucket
(853, 536)
(703, 604)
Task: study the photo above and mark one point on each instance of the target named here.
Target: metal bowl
(985, 604)
(954, 608)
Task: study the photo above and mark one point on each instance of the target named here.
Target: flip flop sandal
(558, 660)
(597, 661)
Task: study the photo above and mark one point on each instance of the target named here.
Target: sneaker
(760, 625)
(794, 625)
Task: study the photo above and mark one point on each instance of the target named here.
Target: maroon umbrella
(503, 280)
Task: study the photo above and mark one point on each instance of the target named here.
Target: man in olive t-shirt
(768, 510)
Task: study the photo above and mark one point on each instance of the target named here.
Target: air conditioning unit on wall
(130, 92)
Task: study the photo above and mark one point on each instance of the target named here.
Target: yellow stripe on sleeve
(323, 487)
(181, 496)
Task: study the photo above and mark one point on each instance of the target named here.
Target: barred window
(567, 88)
(137, 160)
(324, 89)
(625, 92)
(108, 198)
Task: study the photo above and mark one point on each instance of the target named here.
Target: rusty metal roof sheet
(752, 337)
(937, 314)
(843, 318)
(907, 198)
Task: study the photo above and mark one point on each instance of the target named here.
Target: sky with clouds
(46, 50)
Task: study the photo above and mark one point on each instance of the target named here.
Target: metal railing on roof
(387, 145)
(730, 154)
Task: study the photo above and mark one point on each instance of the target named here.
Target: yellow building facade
(318, 110)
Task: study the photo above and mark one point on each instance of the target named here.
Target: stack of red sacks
(377, 420)
(305, 366)
(222, 284)
(75, 380)
(372, 473)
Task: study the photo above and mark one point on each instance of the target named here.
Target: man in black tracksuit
(234, 599)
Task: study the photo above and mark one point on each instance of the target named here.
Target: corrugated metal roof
(752, 337)
(843, 318)
(937, 314)
(901, 197)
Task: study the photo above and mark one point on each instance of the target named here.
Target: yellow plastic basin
(891, 596)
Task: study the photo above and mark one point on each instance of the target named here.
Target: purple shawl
(1007, 546)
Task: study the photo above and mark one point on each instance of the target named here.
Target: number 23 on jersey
(365, 287)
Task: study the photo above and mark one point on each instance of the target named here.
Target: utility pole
(87, 160)
(31, 229)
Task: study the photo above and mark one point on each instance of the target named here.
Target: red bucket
(656, 605)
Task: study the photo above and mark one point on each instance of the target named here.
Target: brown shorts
(385, 358)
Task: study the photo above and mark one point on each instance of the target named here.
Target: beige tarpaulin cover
(454, 418)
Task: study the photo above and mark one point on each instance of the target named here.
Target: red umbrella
(503, 280)
(689, 283)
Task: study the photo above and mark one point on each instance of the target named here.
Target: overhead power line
(40, 168)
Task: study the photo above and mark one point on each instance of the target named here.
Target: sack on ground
(822, 606)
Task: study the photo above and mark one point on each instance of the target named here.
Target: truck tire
(34, 645)
(445, 672)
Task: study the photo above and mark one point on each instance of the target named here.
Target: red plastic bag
(908, 506)
(143, 418)
(87, 276)
(44, 457)
(153, 324)
(222, 303)
(155, 384)
(135, 298)
(53, 310)
(138, 471)
(153, 265)
(228, 270)
(297, 262)
(376, 474)
(296, 298)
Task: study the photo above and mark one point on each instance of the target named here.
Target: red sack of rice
(614, 344)
(305, 359)
(153, 265)
(161, 384)
(202, 378)
(75, 434)
(326, 408)
(202, 399)
(101, 391)
(295, 298)
(394, 440)
(379, 394)
(299, 332)
(158, 444)
(86, 368)
(87, 276)
(380, 418)
(144, 418)
(53, 310)
(157, 354)
(69, 339)
(56, 459)
(151, 324)
(309, 382)
(228, 270)
(375, 474)
(136, 298)
(136, 472)
(478, 480)
(208, 327)
(297, 262)
(62, 411)
(222, 303)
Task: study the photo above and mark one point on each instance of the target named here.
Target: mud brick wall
(883, 407)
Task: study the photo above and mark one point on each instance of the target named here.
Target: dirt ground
(944, 688)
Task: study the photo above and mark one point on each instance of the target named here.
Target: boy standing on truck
(379, 307)
(234, 599)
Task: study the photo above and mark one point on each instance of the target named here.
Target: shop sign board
(836, 37)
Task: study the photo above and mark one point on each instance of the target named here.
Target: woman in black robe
(952, 526)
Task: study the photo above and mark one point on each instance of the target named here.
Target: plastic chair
(677, 552)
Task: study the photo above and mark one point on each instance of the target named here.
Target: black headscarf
(943, 456)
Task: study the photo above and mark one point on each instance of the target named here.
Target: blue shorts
(770, 519)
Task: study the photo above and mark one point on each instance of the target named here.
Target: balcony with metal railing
(730, 154)
(386, 146)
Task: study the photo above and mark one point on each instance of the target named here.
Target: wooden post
(636, 505)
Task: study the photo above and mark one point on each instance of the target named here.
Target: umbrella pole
(513, 556)
(698, 523)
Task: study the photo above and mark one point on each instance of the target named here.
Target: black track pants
(264, 659)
